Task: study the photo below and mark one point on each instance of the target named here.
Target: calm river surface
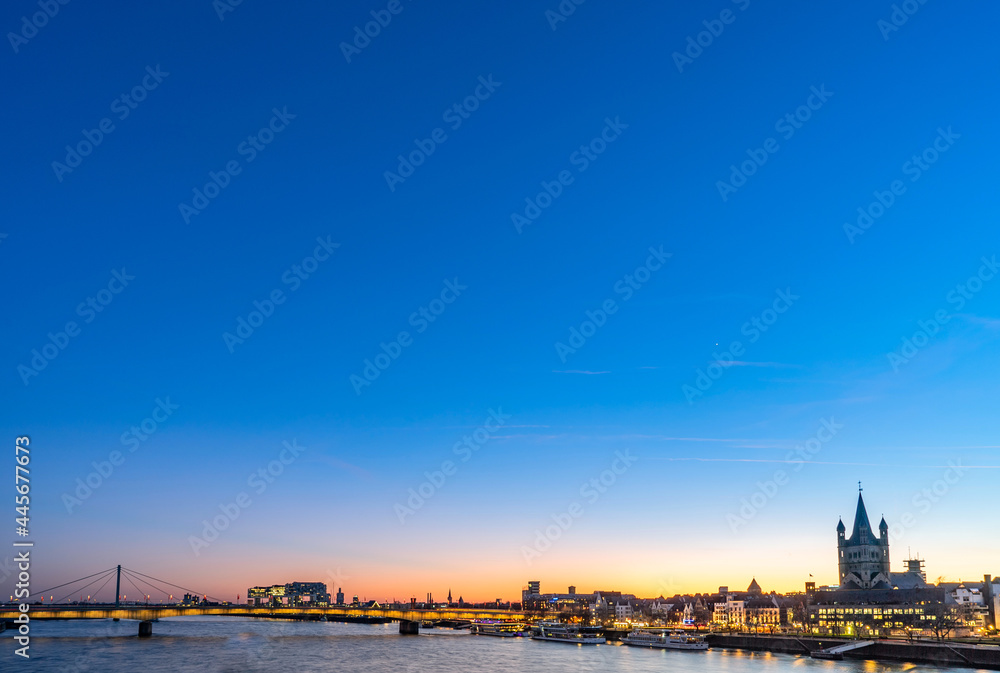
(188, 644)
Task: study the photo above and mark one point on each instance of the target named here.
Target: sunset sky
(730, 350)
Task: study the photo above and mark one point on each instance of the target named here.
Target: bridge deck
(145, 612)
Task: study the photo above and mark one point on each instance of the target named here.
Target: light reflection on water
(234, 645)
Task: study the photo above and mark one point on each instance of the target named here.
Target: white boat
(499, 630)
(667, 641)
(565, 633)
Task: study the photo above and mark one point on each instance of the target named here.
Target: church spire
(862, 527)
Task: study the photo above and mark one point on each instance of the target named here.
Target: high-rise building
(340, 596)
(863, 558)
(307, 592)
(293, 593)
(531, 597)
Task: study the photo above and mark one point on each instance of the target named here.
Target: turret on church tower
(863, 559)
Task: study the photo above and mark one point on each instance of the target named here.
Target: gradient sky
(666, 524)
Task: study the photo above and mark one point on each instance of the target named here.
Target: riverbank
(938, 654)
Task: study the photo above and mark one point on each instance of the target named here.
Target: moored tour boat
(566, 633)
(499, 630)
(667, 641)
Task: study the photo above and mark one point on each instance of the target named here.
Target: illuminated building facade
(847, 613)
(289, 595)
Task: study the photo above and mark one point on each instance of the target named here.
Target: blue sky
(336, 128)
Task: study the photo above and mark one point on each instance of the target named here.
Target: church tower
(863, 559)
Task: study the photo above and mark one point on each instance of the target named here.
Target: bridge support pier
(145, 629)
(408, 628)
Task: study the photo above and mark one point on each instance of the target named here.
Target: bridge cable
(141, 592)
(147, 582)
(176, 586)
(109, 576)
(134, 580)
(103, 585)
(59, 586)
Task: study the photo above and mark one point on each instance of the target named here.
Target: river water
(233, 645)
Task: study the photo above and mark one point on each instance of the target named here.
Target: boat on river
(567, 633)
(500, 630)
(665, 641)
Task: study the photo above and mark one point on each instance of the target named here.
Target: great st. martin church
(863, 558)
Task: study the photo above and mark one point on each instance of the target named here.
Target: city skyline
(337, 581)
(617, 298)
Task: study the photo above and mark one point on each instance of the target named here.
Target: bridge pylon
(118, 586)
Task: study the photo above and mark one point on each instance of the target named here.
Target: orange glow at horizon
(647, 575)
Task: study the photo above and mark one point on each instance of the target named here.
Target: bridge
(149, 612)
(408, 617)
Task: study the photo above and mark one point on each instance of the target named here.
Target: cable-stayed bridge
(149, 608)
